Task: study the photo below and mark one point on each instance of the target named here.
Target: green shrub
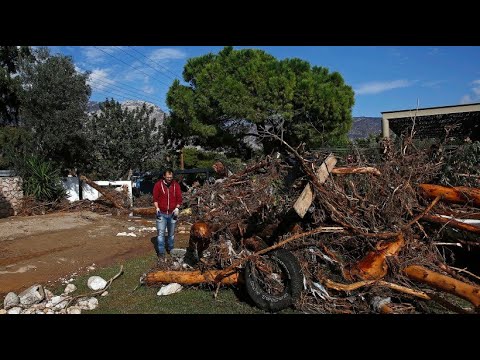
(41, 179)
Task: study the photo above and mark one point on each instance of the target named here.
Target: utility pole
(181, 160)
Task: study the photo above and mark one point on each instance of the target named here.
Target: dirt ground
(49, 248)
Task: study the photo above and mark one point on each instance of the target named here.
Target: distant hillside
(363, 126)
(159, 114)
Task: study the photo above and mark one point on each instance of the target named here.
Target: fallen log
(150, 211)
(101, 191)
(459, 194)
(189, 277)
(451, 223)
(442, 282)
(356, 170)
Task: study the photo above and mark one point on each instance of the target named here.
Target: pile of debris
(112, 201)
(305, 230)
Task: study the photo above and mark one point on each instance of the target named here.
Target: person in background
(167, 198)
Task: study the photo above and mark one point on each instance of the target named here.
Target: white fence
(71, 185)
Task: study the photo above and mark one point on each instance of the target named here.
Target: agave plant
(42, 180)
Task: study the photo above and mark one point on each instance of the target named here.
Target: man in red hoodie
(167, 198)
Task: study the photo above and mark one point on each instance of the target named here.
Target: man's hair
(169, 170)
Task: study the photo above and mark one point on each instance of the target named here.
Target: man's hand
(176, 212)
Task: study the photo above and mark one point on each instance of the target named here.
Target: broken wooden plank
(458, 194)
(306, 197)
(325, 169)
(304, 201)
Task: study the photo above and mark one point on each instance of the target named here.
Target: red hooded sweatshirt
(167, 197)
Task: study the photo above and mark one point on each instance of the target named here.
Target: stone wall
(11, 195)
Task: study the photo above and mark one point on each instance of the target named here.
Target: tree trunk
(102, 191)
(356, 170)
(188, 277)
(445, 283)
(459, 194)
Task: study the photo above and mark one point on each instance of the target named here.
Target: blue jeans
(165, 221)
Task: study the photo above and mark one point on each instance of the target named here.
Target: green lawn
(121, 298)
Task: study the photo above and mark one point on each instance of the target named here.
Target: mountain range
(158, 113)
(362, 126)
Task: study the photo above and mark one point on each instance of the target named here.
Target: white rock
(131, 228)
(49, 311)
(105, 293)
(74, 310)
(28, 311)
(70, 288)
(170, 289)
(92, 303)
(126, 234)
(58, 302)
(32, 295)
(39, 306)
(3, 311)
(48, 294)
(11, 300)
(83, 303)
(15, 310)
(96, 283)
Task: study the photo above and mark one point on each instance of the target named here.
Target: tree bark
(442, 282)
(459, 194)
(374, 265)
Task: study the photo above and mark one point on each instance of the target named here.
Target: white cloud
(99, 79)
(466, 99)
(476, 87)
(96, 54)
(476, 93)
(433, 83)
(148, 89)
(381, 86)
(167, 54)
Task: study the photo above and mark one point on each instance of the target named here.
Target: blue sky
(384, 78)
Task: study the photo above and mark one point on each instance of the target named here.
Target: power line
(156, 63)
(131, 93)
(143, 72)
(150, 66)
(126, 91)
